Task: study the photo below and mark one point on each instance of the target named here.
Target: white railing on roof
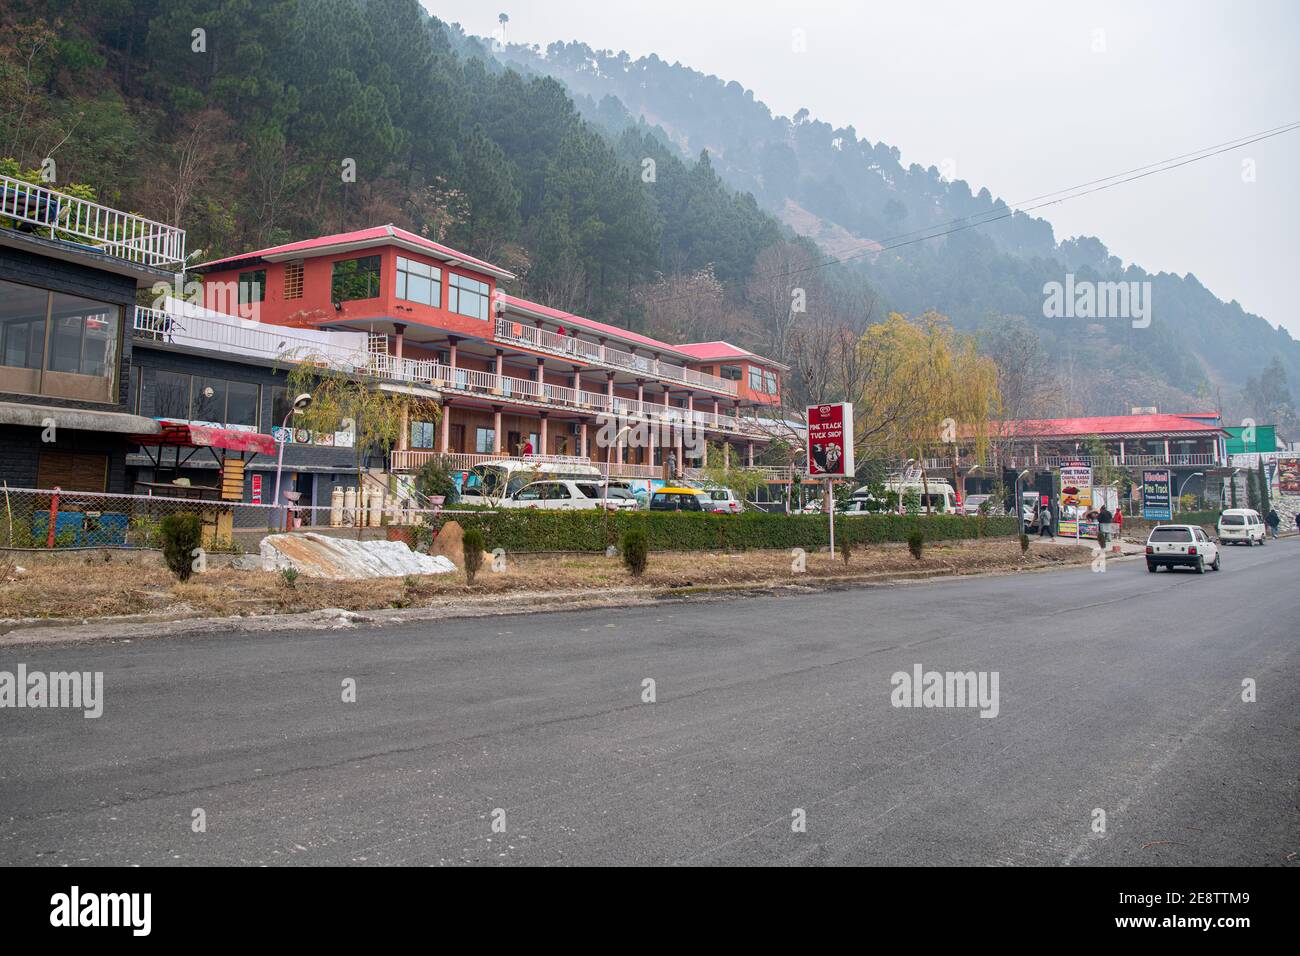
(573, 347)
(121, 234)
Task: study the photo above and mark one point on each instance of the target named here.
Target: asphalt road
(1119, 691)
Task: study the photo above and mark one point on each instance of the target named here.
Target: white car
(1181, 546)
(566, 494)
(1241, 526)
(724, 500)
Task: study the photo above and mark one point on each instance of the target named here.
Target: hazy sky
(1015, 95)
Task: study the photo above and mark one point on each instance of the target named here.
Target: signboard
(1156, 494)
(1076, 498)
(1288, 476)
(257, 489)
(829, 448)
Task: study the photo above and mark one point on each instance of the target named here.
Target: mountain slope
(848, 194)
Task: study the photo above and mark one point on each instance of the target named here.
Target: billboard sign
(829, 448)
(1288, 476)
(1076, 498)
(1156, 494)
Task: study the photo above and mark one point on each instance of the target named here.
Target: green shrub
(846, 548)
(524, 530)
(434, 478)
(289, 576)
(1024, 543)
(181, 535)
(635, 551)
(473, 542)
(916, 543)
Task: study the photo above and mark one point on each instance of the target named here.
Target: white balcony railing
(411, 460)
(1021, 460)
(121, 234)
(343, 351)
(571, 346)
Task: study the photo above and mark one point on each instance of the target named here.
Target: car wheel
(1215, 565)
(1151, 567)
(1200, 565)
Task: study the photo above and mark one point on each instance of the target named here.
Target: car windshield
(1171, 534)
(1234, 519)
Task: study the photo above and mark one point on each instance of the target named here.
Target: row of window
(761, 380)
(205, 398)
(416, 281)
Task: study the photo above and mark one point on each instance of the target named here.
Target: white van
(493, 481)
(566, 494)
(1241, 526)
(936, 493)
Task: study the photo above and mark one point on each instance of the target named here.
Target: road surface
(1118, 691)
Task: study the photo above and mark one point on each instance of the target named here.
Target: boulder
(450, 543)
(322, 556)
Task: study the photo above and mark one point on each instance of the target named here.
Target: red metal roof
(189, 435)
(563, 318)
(711, 351)
(375, 235)
(1103, 426)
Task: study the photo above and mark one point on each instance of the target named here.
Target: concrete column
(1121, 451)
(545, 449)
(609, 388)
(726, 454)
(496, 427)
(500, 364)
(404, 437)
(399, 337)
(1166, 451)
(640, 390)
(751, 454)
(582, 440)
(451, 352)
(444, 428)
(577, 384)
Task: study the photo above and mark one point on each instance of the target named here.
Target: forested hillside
(835, 185)
(639, 193)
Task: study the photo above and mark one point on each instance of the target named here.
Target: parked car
(566, 494)
(971, 506)
(671, 498)
(1181, 546)
(1241, 526)
(724, 501)
(497, 481)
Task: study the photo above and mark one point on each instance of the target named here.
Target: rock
(450, 543)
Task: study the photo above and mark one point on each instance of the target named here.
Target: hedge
(1206, 519)
(524, 530)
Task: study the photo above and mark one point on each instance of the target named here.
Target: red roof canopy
(189, 435)
(1103, 426)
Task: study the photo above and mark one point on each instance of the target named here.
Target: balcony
(520, 333)
(120, 234)
(345, 351)
(1172, 460)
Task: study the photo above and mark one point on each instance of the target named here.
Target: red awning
(187, 435)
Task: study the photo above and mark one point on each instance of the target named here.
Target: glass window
(281, 405)
(769, 382)
(484, 440)
(1237, 520)
(22, 325)
(531, 493)
(242, 403)
(171, 396)
(557, 491)
(1171, 534)
(421, 434)
(755, 379)
(731, 372)
(467, 296)
(252, 286)
(419, 282)
(84, 338)
(209, 400)
(355, 279)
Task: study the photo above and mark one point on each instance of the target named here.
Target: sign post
(1157, 494)
(1076, 496)
(828, 450)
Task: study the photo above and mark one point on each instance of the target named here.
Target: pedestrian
(528, 448)
(1104, 518)
(1297, 522)
(1048, 526)
(1273, 520)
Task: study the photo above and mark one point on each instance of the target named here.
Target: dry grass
(83, 587)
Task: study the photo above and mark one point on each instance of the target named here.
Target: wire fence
(33, 518)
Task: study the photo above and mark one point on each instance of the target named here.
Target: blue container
(67, 528)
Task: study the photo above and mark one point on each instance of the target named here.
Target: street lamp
(1020, 508)
(1186, 480)
(300, 405)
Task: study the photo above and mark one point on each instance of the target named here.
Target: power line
(1006, 211)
